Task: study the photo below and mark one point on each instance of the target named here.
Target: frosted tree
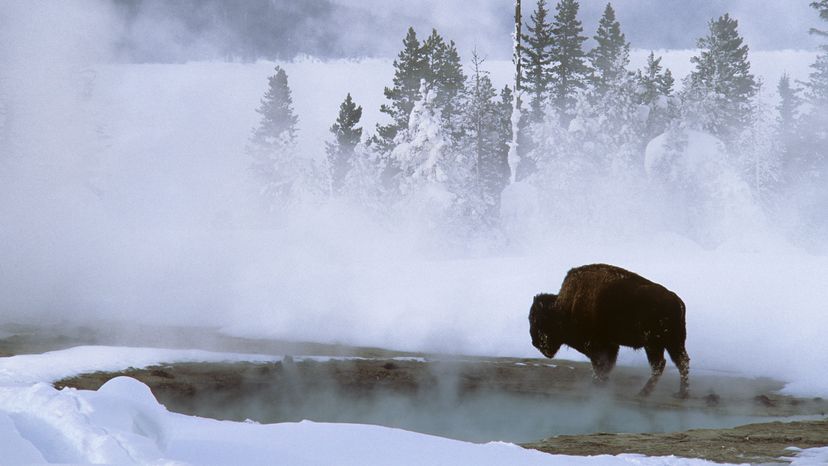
(655, 92)
(814, 153)
(486, 139)
(444, 76)
(272, 146)
(421, 149)
(346, 136)
(787, 124)
(409, 70)
(569, 69)
(607, 114)
(609, 59)
(536, 60)
(720, 90)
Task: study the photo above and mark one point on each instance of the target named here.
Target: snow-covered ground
(122, 423)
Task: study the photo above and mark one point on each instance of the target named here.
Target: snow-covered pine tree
(421, 149)
(272, 146)
(505, 110)
(608, 117)
(346, 135)
(822, 7)
(485, 140)
(279, 121)
(536, 61)
(655, 91)
(814, 123)
(787, 121)
(609, 59)
(721, 89)
(444, 75)
(569, 68)
(409, 70)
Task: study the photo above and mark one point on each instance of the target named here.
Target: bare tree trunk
(513, 158)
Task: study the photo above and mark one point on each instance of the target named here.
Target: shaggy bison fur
(602, 307)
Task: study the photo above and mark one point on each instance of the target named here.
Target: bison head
(544, 326)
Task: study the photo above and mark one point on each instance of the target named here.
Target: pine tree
(822, 7)
(609, 59)
(655, 89)
(818, 79)
(814, 151)
(536, 60)
(569, 70)
(273, 142)
(277, 127)
(444, 75)
(486, 140)
(421, 149)
(788, 107)
(721, 85)
(346, 137)
(409, 70)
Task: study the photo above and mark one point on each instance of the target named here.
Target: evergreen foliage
(272, 145)
(277, 128)
(822, 7)
(409, 70)
(788, 108)
(444, 75)
(721, 88)
(346, 137)
(486, 137)
(814, 124)
(655, 91)
(609, 59)
(570, 70)
(438, 64)
(536, 59)
(421, 151)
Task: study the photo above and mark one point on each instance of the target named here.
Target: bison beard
(601, 308)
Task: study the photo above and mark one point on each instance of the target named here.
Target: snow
(55, 365)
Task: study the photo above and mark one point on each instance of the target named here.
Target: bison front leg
(655, 355)
(603, 361)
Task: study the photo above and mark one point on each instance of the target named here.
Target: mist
(126, 195)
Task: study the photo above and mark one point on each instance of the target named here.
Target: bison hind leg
(603, 361)
(682, 362)
(655, 355)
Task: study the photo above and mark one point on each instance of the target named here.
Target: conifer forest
(595, 142)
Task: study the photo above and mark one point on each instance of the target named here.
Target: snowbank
(27, 369)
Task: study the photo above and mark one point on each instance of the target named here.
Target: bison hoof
(682, 395)
(644, 393)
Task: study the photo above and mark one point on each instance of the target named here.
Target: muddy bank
(752, 443)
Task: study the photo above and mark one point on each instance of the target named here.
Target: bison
(601, 307)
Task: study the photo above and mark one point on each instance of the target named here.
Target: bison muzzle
(601, 308)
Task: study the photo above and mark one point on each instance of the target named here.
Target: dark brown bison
(602, 307)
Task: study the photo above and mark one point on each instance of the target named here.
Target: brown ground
(752, 443)
(478, 399)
